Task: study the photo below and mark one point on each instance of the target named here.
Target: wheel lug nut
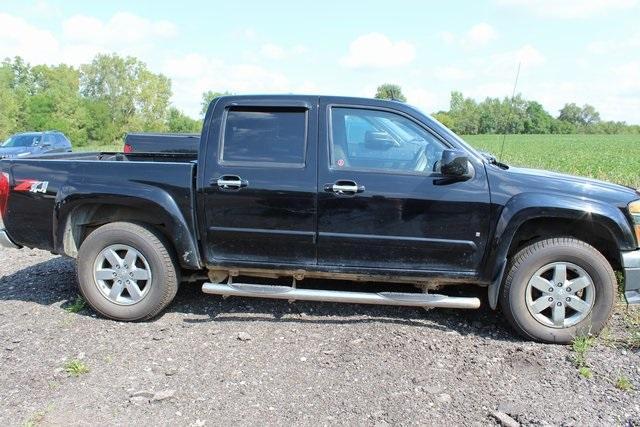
(568, 299)
(558, 303)
(560, 284)
(550, 289)
(550, 299)
(568, 289)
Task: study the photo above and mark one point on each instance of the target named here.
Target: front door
(382, 202)
(260, 182)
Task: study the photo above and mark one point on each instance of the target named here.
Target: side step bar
(381, 298)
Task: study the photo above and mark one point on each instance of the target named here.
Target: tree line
(96, 103)
(99, 102)
(467, 116)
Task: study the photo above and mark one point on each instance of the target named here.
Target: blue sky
(583, 51)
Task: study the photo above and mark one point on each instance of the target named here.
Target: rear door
(260, 182)
(382, 202)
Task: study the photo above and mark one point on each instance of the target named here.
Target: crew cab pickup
(296, 187)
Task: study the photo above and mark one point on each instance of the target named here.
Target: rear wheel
(557, 289)
(126, 271)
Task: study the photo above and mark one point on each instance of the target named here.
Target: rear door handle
(230, 182)
(344, 187)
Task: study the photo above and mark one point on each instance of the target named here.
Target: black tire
(150, 244)
(534, 257)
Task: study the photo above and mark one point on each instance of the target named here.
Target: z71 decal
(31, 186)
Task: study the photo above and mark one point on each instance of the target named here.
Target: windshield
(22, 141)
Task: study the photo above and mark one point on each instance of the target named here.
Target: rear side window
(265, 136)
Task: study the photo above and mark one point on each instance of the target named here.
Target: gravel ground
(209, 361)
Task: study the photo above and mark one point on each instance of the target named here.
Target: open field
(614, 158)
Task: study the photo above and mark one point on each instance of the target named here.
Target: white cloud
(376, 50)
(125, 33)
(480, 35)
(193, 74)
(45, 8)
(82, 38)
(569, 9)
(421, 98)
(20, 38)
(601, 47)
(477, 36)
(274, 51)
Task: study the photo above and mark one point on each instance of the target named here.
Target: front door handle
(344, 187)
(230, 182)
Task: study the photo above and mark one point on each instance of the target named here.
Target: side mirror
(378, 140)
(456, 164)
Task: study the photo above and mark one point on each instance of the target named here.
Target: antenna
(513, 95)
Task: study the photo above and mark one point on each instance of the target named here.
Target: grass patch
(581, 346)
(75, 368)
(585, 372)
(76, 306)
(623, 383)
(99, 147)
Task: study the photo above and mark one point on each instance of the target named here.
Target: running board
(381, 298)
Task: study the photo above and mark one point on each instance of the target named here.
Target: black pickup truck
(295, 187)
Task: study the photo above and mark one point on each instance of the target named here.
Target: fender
(138, 196)
(526, 206)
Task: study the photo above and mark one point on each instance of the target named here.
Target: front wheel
(126, 271)
(557, 289)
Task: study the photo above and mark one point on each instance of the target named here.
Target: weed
(623, 383)
(75, 368)
(581, 345)
(585, 372)
(76, 306)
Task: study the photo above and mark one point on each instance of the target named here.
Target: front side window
(379, 140)
(275, 136)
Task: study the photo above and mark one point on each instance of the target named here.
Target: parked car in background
(28, 144)
(185, 143)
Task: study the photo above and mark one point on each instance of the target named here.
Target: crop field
(614, 158)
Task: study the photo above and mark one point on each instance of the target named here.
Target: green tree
(538, 120)
(56, 103)
(390, 91)
(22, 87)
(465, 114)
(589, 116)
(209, 96)
(445, 118)
(181, 123)
(571, 113)
(138, 99)
(8, 104)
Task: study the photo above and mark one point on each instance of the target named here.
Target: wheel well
(86, 218)
(590, 232)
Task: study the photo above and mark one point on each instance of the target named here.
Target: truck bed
(123, 157)
(52, 186)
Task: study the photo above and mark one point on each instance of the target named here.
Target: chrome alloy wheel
(560, 295)
(122, 274)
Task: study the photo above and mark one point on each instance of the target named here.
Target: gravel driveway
(209, 361)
